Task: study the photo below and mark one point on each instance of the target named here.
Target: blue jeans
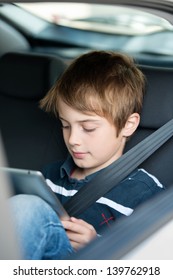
(39, 230)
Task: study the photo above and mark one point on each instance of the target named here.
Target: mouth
(78, 155)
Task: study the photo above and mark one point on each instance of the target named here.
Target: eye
(89, 129)
(65, 126)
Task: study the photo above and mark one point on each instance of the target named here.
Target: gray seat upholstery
(31, 137)
(157, 110)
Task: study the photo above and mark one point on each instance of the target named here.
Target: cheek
(103, 141)
(65, 136)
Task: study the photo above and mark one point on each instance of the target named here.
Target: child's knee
(31, 209)
(27, 206)
(23, 202)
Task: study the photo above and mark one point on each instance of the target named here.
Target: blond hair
(106, 83)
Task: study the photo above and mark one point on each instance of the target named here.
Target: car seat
(31, 137)
(157, 110)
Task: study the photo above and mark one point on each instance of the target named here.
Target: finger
(74, 227)
(81, 222)
(76, 246)
(78, 239)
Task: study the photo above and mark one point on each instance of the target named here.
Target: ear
(131, 125)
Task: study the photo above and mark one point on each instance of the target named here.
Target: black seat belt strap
(110, 176)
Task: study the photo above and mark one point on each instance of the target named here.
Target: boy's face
(91, 139)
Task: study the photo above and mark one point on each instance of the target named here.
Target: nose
(74, 137)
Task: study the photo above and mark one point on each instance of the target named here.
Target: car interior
(10, 249)
(27, 132)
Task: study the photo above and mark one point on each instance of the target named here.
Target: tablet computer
(33, 183)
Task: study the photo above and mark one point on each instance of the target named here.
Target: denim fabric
(39, 230)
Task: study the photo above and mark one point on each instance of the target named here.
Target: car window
(70, 29)
(100, 18)
(107, 26)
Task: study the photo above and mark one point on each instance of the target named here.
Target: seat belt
(109, 177)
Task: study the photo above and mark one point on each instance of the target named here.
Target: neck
(78, 174)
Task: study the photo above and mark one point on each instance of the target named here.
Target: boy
(98, 101)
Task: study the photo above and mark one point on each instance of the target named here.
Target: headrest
(28, 75)
(158, 102)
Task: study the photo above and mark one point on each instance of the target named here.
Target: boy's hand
(79, 232)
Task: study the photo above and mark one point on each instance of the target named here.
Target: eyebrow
(82, 121)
